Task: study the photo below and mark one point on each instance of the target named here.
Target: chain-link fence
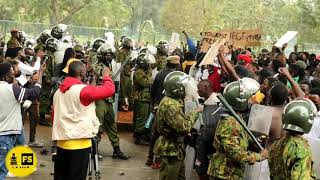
(311, 48)
(80, 33)
(83, 34)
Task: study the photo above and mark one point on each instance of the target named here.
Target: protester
(23, 71)
(10, 117)
(75, 121)
(69, 54)
(189, 61)
(210, 116)
(283, 80)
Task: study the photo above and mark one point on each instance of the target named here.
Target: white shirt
(313, 138)
(27, 70)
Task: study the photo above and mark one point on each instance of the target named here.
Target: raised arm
(226, 65)
(192, 47)
(295, 86)
(90, 93)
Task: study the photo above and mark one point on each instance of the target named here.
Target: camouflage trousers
(125, 90)
(140, 116)
(171, 168)
(44, 100)
(105, 114)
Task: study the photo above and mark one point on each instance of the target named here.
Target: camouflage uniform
(125, 81)
(290, 158)
(13, 43)
(173, 126)
(40, 46)
(104, 110)
(141, 84)
(46, 84)
(160, 62)
(231, 142)
(93, 57)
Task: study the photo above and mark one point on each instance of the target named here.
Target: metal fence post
(5, 31)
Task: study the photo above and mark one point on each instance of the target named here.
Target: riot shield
(314, 145)
(190, 103)
(259, 123)
(115, 68)
(59, 54)
(193, 71)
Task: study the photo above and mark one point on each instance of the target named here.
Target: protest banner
(236, 38)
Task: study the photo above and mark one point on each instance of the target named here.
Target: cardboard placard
(175, 37)
(109, 36)
(290, 38)
(287, 37)
(237, 38)
(212, 52)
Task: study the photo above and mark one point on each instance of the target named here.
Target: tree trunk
(53, 12)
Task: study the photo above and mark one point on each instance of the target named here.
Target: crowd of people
(174, 100)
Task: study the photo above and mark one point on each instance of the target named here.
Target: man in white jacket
(75, 121)
(10, 110)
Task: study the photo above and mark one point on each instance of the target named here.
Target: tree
(274, 17)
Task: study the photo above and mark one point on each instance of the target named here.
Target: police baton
(122, 67)
(238, 118)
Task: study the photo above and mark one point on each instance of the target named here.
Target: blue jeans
(20, 141)
(7, 142)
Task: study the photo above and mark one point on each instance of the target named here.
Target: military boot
(118, 154)
(43, 121)
(149, 162)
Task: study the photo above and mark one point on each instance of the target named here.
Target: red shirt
(215, 79)
(89, 93)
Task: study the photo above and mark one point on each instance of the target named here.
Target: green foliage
(274, 17)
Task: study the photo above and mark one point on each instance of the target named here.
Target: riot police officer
(57, 31)
(125, 82)
(79, 50)
(290, 156)
(41, 41)
(50, 48)
(93, 52)
(104, 108)
(173, 126)
(162, 53)
(172, 64)
(231, 141)
(142, 100)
